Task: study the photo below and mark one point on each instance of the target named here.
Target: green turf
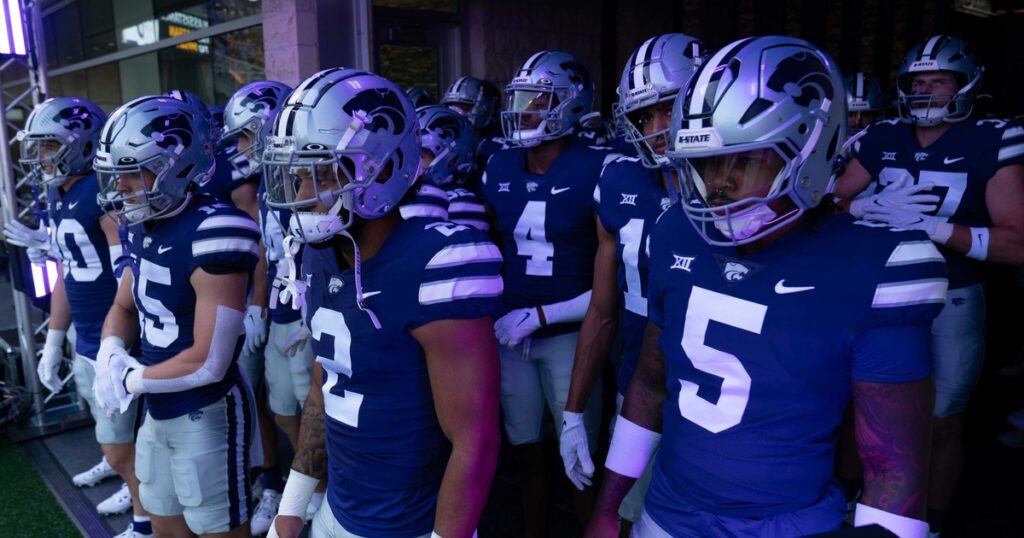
(27, 508)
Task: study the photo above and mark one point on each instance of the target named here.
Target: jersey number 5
(340, 404)
(704, 307)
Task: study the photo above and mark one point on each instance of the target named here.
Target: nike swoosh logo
(72, 204)
(367, 294)
(161, 250)
(947, 160)
(559, 191)
(781, 288)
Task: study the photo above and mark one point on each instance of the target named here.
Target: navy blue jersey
(760, 352)
(386, 451)
(546, 223)
(492, 140)
(225, 178)
(959, 163)
(207, 234)
(272, 224)
(467, 207)
(427, 200)
(82, 248)
(630, 199)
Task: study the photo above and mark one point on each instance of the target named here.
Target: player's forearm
(311, 452)
(646, 391)
(596, 335)
(614, 488)
(1002, 244)
(893, 425)
(259, 280)
(122, 323)
(467, 482)
(60, 310)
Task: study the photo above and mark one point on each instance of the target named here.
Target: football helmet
(939, 53)
(763, 119)
(166, 137)
(420, 96)
(73, 123)
(449, 137)
(551, 90)
(480, 97)
(654, 74)
(865, 102)
(352, 135)
(251, 111)
(195, 101)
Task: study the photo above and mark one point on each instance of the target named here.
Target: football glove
(573, 445)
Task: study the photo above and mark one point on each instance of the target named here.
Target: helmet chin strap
(746, 224)
(357, 267)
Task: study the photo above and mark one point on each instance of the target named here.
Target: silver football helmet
(548, 96)
(939, 53)
(251, 112)
(757, 137)
(201, 106)
(346, 138)
(420, 96)
(73, 124)
(477, 100)
(159, 136)
(448, 136)
(865, 101)
(654, 74)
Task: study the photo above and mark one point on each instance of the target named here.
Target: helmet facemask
(533, 114)
(930, 109)
(143, 204)
(647, 145)
(36, 157)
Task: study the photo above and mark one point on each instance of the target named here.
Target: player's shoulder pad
(457, 262)
(905, 267)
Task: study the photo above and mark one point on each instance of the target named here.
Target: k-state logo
(920, 156)
(682, 262)
(531, 186)
(504, 187)
(334, 286)
(194, 416)
(628, 199)
(665, 203)
(146, 241)
(888, 155)
(734, 272)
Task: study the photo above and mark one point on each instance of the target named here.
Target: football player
(962, 182)
(183, 299)
(59, 143)
(865, 101)
(478, 101)
(447, 162)
(762, 325)
(541, 189)
(633, 192)
(402, 415)
(287, 361)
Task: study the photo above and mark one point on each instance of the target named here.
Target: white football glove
(899, 218)
(573, 445)
(50, 359)
(297, 340)
(255, 328)
(23, 236)
(901, 193)
(516, 326)
(112, 362)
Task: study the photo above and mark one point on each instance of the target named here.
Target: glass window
(410, 65)
(449, 6)
(214, 68)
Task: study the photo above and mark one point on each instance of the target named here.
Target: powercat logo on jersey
(707, 137)
(920, 156)
(735, 271)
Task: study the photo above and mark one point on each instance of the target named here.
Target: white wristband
(631, 448)
(857, 208)
(134, 383)
(297, 492)
(979, 244)
(902, 526)
(55, 337)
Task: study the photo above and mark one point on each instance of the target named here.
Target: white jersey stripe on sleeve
(1012, 132)
(911, 292)
(444, 291)
(454, 255)
(422, 210)
(228, 221)
(911, 252)
(481, 225)
(466, 207)
(224, 244)
(1010, 152)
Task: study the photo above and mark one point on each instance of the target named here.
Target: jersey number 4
(704, 307)
(340, 404)
(531, 240)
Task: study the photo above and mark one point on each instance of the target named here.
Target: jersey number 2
(340, 404)
(704, 307)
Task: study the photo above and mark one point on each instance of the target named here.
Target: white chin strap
(314, 227)
(528, 138)
(741, 226)
(928, 117)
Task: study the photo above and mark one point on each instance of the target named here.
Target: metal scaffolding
(13, 177)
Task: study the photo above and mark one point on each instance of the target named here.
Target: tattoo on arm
(311, 454)
(893, 427)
